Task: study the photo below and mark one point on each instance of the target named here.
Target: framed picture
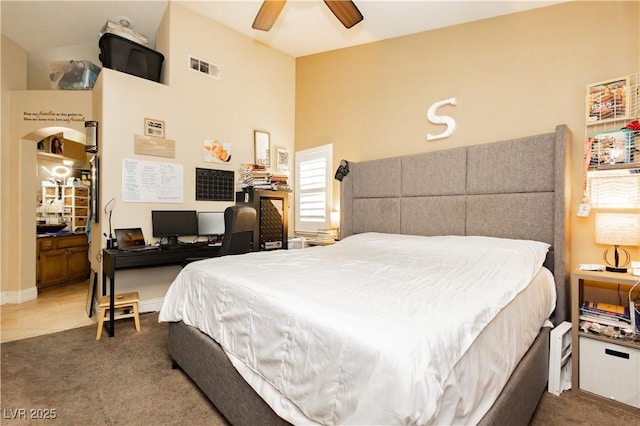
(153, 127)
(56, 145)
(216, 151)
(607, 100)
(282, 159)
(262, 148)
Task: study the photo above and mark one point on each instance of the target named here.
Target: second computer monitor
(211, 224)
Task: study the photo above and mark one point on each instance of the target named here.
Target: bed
(501, 197)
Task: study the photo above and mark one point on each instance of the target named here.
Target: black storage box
(121, 54)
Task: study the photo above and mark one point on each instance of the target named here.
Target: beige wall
(18, 168)
(256, 91)
(25, 129)
(513, 76)
(13, 69)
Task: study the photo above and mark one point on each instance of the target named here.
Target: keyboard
(185, 246)
(141, 248)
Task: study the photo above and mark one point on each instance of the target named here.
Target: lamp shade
(618, 229)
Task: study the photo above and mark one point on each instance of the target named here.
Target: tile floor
(56, 308)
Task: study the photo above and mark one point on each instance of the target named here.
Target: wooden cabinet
(62, 258)
(272, 208)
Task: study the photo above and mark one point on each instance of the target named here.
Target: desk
(113, 260)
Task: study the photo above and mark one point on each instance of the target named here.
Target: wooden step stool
(121, 302)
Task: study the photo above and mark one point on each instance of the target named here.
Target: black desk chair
(239, 222)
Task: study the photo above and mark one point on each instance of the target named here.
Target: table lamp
(617, 229)
(335, 223)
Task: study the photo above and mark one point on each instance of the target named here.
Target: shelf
(618, 166)
(635, 344)
(609, 139)
(579, 280)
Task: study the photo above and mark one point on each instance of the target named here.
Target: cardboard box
(122, 31)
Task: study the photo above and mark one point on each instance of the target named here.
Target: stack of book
(280, 181)
(254, 176)
(259, 177)
(605, 314)
(325, 235)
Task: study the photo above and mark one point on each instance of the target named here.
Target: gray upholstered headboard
(518, 188)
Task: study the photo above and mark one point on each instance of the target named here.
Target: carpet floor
(128, 380)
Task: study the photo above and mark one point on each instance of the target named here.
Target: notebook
(132, 239)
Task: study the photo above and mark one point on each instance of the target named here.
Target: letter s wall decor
(441, 119)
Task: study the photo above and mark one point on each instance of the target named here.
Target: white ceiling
(304, 26)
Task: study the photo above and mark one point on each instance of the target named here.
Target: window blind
(614, 188)
(313, 188)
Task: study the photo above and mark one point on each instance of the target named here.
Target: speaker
(343, 170)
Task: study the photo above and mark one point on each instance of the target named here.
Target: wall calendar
(214, 185)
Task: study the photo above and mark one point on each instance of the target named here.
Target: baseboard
(19, 296)
(151, 305)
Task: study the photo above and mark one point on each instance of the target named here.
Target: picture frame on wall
(56, 145)
(262, 142)
(282, 159)
(153, 127)
(607, 100)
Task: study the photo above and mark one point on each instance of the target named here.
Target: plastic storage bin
(73, 74)
(610, 370)
(124, 55)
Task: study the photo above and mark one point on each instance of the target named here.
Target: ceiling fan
(345, 10)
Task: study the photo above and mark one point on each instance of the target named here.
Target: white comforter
(365, 331)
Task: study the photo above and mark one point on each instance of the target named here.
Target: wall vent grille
(204, 67)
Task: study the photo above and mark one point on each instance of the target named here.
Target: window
(614, 188)
(313, 188)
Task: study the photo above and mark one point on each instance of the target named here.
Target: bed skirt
(204, 361)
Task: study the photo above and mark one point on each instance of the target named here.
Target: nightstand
(601, 365)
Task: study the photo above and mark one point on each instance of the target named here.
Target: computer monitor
(211, 224)
(171, 224)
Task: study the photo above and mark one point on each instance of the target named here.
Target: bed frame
(512, 189)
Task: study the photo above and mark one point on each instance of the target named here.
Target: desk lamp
(108, 209)
(617, 229)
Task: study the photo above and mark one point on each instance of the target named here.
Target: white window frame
(321, 220)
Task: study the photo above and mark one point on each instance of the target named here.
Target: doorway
(62, 212)
(25, 195)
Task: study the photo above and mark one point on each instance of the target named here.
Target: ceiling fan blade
(267, 14)
(346, 12)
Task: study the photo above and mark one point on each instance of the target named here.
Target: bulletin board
(152, 182)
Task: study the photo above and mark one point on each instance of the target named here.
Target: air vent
(204, 67)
